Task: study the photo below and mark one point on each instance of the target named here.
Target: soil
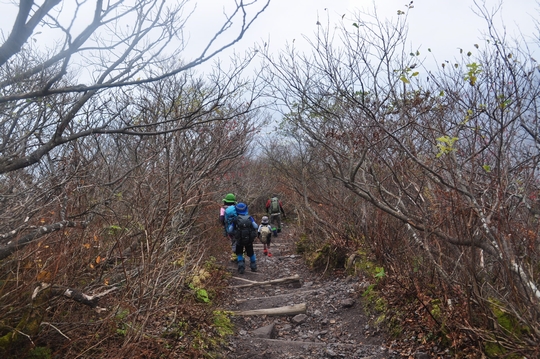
(333, 325)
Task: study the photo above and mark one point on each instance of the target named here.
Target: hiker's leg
(233, 243)
(240, 255)
(278, 220)
(252, 257)
(273, 222)
(268, 241)
(233, 248)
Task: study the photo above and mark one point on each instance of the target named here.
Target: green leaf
(355, 25)
(447, 139)
(415, 73)
(405, 80)
(202, 295)
(445, 145)
(487, 168)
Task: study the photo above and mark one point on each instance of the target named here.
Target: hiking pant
(250, 253)
(248, 247)
(275, 221)
(233, 243)
(268, 239)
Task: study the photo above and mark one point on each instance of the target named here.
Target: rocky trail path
(286, 311)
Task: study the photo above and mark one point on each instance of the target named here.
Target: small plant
(175, 330)
(222, 323)
(369, 294)
(202, 295)
(379, 273)
(120, 315)
(303, 245)
(113, 229)
(39, 353)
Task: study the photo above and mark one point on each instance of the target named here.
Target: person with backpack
(274, 208)
(264, 234)
(244, 229)
(226, 214)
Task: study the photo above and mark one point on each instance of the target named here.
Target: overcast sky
(441, 25)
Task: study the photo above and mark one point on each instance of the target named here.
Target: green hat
(229, 198)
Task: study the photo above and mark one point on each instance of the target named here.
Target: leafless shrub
(106, 179)
(446, 160)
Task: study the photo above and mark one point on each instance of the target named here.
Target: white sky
(441, 25)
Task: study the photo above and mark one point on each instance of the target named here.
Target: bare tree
(110, 150)
(450, 154)
(46, 102)
(114, 56)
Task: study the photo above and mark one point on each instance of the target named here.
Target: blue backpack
(230, 215)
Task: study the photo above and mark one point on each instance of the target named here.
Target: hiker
(226, 214)
(264, 234)
(274, 208)
(244, 229)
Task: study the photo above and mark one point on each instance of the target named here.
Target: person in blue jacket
(226, 213)
(244, 229)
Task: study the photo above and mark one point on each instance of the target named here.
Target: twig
(58, 330)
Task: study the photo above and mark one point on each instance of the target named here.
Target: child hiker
(244, 229)
(265, 235)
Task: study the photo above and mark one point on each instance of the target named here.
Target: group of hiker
(242, 229)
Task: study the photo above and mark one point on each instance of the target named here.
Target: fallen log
(245, 280)
(287, 310)
(286, 280)
(291, 294)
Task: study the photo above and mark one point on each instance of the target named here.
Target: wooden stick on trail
(287, 310)
(286, 280)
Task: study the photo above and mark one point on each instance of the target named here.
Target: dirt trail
(322, 316)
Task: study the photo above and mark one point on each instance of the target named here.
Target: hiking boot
(242, 267)
(279, 230)
(269, 254)
(265, 252)
(253, 266)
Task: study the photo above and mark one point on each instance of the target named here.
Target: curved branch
(12, 247)
(21, 29)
